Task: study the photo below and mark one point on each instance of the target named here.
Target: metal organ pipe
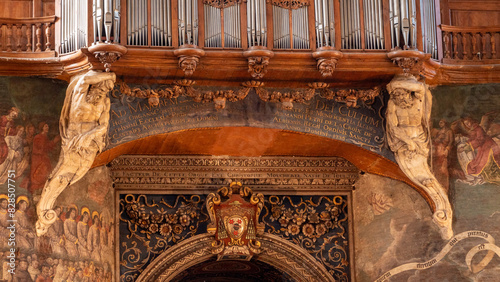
(403, 23)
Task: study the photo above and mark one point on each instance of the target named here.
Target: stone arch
(276, 251)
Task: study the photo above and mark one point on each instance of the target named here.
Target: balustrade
(470, 44)
(27, 35)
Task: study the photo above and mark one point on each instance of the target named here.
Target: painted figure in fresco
(15, 146)
(70, 233)
(486, 153)
(22, 274)
(56, 235)
(44, 276)
(442, 143)
(25, 163)
(24, 233)
(7, 129)
(83, 232)
(4, 217)
(40, 160)
(104, 239)
(83, 127)
(408, 135)
(94, 245)
(34, 269)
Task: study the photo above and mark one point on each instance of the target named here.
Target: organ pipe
(256, 23)
(73, 25)
(402, 16)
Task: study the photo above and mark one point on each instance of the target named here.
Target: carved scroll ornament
(83, 126)
(350, 97)
(408, 135)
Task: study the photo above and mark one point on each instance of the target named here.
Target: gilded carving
(234, 221)
(257, 66)
(350, 97)
(107, 58)
(83, 126)
(408, 136)
(407, 64)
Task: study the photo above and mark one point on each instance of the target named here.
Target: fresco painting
(79, 246)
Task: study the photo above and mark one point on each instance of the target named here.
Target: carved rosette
(326, 60)
(408, 60)
(107, 54)
(189, 58)
(350, 97)
(258, 60)
(234, 220)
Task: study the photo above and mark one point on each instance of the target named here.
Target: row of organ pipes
(222, 24)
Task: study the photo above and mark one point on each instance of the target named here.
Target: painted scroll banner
(490, 247)
(133, 118)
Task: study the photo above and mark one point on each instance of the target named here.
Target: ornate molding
(107, 54)
(286, 98)
(409, 61)
(83, 126)
(327, 59)
(408, 136)
(276, 175)
(258, 60)
(189, 57)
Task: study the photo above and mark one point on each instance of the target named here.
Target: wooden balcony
(153, 36)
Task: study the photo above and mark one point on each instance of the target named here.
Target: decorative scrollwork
(257, 66)
(220, 4)
(348, 96)
(290, 4)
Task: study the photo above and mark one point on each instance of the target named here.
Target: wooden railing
(470, 43)
(27, 35)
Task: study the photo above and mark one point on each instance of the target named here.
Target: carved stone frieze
(408, 129)
(279, 175)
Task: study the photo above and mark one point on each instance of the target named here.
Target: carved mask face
(188, 65)
(402, 98)
(95, 95)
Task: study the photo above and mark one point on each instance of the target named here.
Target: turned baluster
(464, 46)
(47, 37)
(28, 35)
(19, 34)
(38, 37)
(455, 45)
(9, 38)
(475, 52)
(446, 41)
(483, 42)
(493, 46)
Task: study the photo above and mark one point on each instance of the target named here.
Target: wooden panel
(475, 18)
(16, 9)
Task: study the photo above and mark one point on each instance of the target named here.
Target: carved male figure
(83, 126)
(408, 135)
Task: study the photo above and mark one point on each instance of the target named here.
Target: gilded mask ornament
(234, 214)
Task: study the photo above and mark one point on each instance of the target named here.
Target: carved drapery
(83, 126)
(408, 136)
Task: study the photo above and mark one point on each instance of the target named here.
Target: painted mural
(79, 246)
(397, 241)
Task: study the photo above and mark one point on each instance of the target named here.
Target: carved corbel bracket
(258, 60)
(189, 57)
(107, 54)
(411, 100)
(326, 60)
(408, 60)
